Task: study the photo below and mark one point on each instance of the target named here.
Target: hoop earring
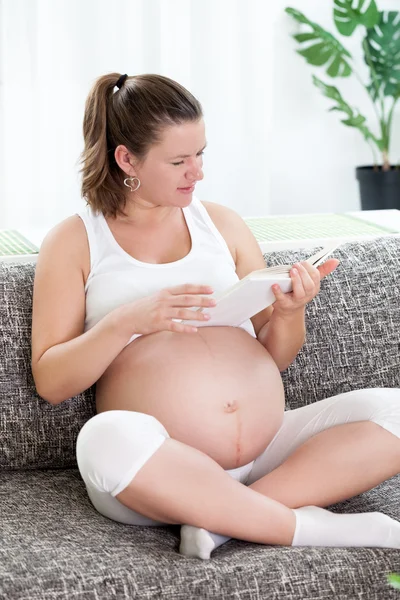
(131, 180)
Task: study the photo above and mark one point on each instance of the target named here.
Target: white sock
(198, 542)
(315, 526)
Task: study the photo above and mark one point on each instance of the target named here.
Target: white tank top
(117, 278)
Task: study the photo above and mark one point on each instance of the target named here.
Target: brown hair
(135, 116)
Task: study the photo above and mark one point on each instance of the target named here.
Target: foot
(196, 542)
(317, 526)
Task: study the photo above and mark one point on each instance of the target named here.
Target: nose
(194, 172)
(199, 175)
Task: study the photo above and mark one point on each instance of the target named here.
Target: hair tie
(121, 81)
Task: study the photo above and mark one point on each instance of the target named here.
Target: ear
(125, 160)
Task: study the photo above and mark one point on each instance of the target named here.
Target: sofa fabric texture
(53, 543)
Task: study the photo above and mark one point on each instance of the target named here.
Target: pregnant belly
(217, 390)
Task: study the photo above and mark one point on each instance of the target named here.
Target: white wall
(314, 155)
(51, 52)
(272, 145)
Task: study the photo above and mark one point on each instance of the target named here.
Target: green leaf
(315, 55)
(323, 48)
(347, 17)
(354, 121)
(304, 37)
(335, 67)
(382, 54)
(394, 580)
(354, 118)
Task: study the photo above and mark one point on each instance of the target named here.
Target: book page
(243, 301)
(253, 293)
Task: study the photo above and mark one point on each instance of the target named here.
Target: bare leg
(323, 453)
(334, 465)
(180, 484)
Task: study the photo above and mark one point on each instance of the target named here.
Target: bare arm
(284, 337)
(285, 333)
(65, 360)
(247, 252)
(69, 368)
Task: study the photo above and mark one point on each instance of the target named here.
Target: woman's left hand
(305, 284)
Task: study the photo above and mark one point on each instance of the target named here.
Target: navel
(230, 406)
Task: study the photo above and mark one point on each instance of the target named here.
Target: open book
(253, 293)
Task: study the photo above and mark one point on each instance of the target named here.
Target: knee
(379, 405)
(112, 446)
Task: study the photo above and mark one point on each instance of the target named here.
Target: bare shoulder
(58, 310)
(70, 228)
(220, 212)
(244, 247)
(67, 240)
(227, 221)
(235, 232)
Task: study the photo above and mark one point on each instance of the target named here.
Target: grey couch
(53, 543)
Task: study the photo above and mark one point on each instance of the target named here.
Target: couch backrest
(33, 433)
(353, 341)
(353, 325)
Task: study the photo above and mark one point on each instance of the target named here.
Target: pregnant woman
(190, 426)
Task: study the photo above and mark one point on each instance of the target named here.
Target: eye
(181, 163)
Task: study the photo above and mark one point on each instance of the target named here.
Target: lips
(187, 188)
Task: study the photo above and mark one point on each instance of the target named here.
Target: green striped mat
(264, 229)
(13, 243)
(295, 227)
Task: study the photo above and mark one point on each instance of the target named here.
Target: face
(171, 165)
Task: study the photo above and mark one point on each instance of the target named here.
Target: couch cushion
(353, 341)
(33, 433)
(55, 545)
(353, 324)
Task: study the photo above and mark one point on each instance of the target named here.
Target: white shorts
(113, 446)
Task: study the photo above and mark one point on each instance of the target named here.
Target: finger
(297, 283)
(328, 267)
(279, 295)
(312, 271)
(306, 279)
(187, 314)
(190, 288)
(192, 300)
(181, 328)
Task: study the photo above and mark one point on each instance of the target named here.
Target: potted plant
(394, 580)
(379, 183)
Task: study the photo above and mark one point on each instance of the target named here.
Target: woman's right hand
(155, 313)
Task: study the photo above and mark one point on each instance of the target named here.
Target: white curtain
(52, 50)
(273, 147)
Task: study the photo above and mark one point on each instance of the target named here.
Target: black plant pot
(378, 189)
